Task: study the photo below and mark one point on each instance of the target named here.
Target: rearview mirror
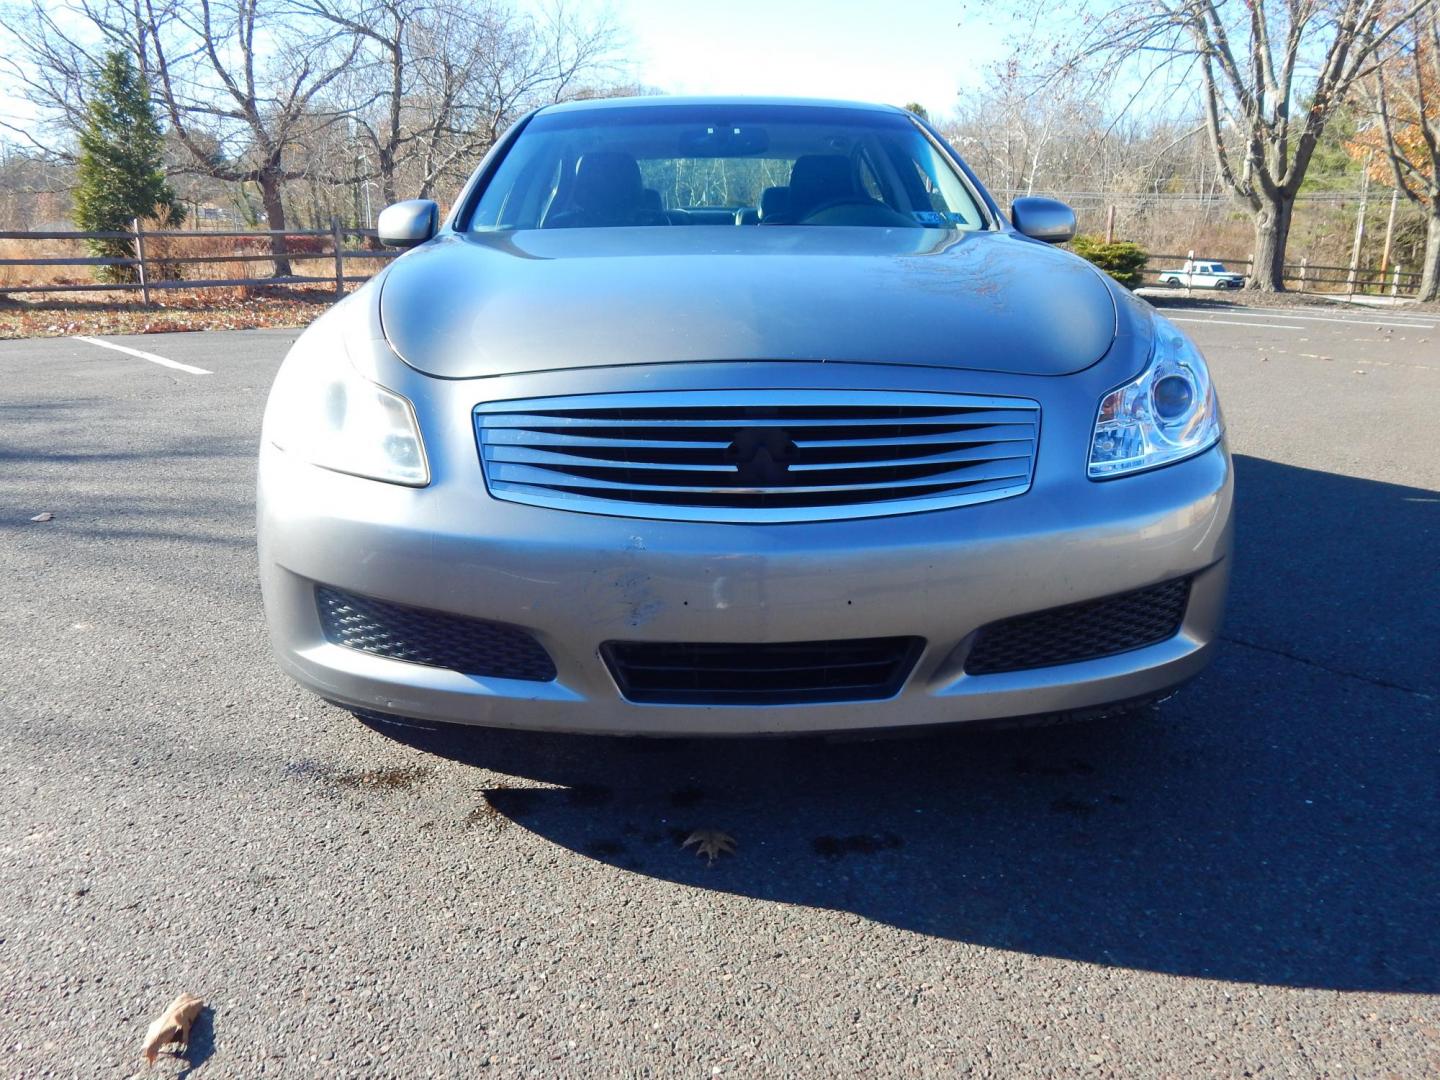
(1043, 219)
(724, 141)
(408, 223)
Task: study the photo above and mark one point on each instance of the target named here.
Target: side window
(523, 202)
(932, 191)
(869, 181)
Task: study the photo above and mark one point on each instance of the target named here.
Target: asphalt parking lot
(1244, 883)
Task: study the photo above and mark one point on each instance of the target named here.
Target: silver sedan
(739, 416)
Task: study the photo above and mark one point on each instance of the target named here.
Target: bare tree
(444, 78)
(53, 67)
(1270, 74)
(1404, 95)
(238, 80)
(513, 63)
(242, 72)
(1027, 132)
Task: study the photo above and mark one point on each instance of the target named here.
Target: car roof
(593, 104)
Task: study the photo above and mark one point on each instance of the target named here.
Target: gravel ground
(1243, 883)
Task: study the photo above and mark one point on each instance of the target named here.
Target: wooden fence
(156, 270)
(1303, 276)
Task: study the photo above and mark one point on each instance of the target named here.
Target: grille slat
(498, 436)
(566, 422)
(758, 455)
(505, 472)
(795, 672)
(431, 638)
(522, 455)
(1088, 631)
(1005, 452)
(988, 433)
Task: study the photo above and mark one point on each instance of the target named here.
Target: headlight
(1170, 412)
(323, 410)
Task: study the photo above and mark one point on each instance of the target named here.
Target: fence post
(1395, 280)
(1189, 271)
(338, 238)
(1304, 261)
(140, 255)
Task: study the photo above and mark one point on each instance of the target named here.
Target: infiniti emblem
(762, 456)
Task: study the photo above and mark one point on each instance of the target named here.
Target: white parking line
(145, 356)
(1237, 322)
(1346, 320)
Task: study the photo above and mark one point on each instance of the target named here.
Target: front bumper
(577, 580)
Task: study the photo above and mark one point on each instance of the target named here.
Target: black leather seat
(817, 179)
(774, 202)
(607, 191)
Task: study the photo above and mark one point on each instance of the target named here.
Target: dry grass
(119, 311)
(239, 308)
(42, 275)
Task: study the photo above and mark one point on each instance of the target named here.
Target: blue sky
(913, 50)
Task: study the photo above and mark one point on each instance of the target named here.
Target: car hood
(507, 303)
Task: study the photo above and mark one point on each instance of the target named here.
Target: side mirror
(1042, 219)
(408, 223)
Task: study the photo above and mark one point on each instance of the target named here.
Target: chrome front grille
(758, 455)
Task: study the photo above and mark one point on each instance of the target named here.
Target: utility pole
(1389, 232)
(1360, 223)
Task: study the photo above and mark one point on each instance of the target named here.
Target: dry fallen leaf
(710, 843)
(46, 516)
(173, 1026)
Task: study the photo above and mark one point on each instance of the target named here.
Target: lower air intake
(1085, 631)
(787, 673)
(432, 638)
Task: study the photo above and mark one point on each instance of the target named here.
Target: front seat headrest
(817, 179)
(774, 201)
(606, 180)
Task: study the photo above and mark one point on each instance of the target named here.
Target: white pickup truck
(1202, 275)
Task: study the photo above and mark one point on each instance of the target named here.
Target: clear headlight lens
(1170, 412)
(324, 411)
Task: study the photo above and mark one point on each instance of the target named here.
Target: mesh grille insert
(1085, 631)
(432, 638)
(787, 673)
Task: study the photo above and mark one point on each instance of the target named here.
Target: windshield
(746, 165)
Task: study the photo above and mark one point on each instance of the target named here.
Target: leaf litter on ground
(710, 844)
(172, 1026)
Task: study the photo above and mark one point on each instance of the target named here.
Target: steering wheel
(853, 210)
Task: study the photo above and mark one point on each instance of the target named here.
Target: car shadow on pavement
(1277, 822)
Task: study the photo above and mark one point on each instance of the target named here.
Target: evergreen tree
(119, 175)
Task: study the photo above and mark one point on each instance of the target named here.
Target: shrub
(1122, 260)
